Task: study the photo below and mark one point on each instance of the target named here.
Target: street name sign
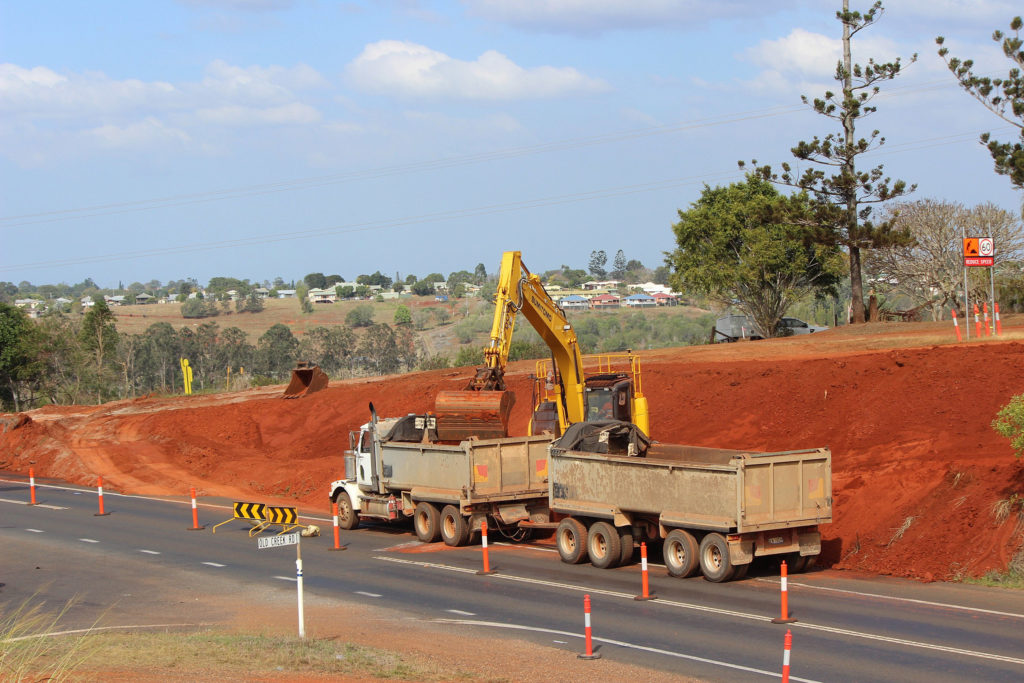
(277, 541)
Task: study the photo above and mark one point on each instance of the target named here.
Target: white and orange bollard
(784, 618)
(977, 322)
(32, 485)
(337, 537)
(786, 647)
(956, 326)
(483, 544)
(999, 323)
(984, 308)
(99, 489)
(195, 512)
(589, 644)
(645, 586)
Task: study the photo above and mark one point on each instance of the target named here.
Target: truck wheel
(626, 540)
(714, 559)
(681, 553)
(571, 538)
(604, 546)
(454, 528)
(348, 518)
(797, 563)
(427, 522)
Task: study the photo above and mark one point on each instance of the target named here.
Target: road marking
(624, 644)
(929, 603)
(36, 531)
(732, 613)
(150, 552)
(287, 578)
(88, 540)
(461, 613)
(37, 505)
(93, 629)
(214, 564)
(410, 544)
(369, 595)
(526, 546)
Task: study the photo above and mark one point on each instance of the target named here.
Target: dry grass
(27, 654)
(900, 531)
(1002, 509)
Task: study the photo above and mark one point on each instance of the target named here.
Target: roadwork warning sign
(979, 251)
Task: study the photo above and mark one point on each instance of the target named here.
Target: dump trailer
(394, 470)
(714, 509)
(306, 378)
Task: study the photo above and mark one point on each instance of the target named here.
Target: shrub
(1009, 422)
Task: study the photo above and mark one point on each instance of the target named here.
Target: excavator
(563, 395)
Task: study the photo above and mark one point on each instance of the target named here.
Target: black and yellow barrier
(263, 517)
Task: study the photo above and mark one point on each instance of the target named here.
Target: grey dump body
(471, 472)
(712, 489)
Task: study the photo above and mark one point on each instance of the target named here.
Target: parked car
(730, 328)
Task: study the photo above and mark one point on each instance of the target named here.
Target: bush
(1009, 422)
(438, 362)
(198, 308)
(360, 316)
(473, 355)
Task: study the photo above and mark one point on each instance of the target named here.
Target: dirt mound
(917, 467)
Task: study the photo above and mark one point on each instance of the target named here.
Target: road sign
(979, 251)
(276, 541)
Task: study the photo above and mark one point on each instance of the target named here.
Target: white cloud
(406, 69)
(245, 5)
(294, 113)
(146, 133)
(813, 55)
(593, 16)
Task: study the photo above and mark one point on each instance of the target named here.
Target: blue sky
(260, 138)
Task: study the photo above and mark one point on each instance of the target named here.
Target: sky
(256, 139)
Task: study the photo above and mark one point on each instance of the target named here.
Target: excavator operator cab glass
(609, 403)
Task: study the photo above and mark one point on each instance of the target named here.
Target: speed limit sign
(985, 246)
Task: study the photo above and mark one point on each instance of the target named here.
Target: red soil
(906, 413)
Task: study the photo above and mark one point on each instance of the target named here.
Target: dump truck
(714, 509)
(394, 470)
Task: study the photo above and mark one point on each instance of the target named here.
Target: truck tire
(571, 539)
(714, 559)
(626, 540)
(427, 522)
(797, 563)
(604, 546)
(681, 553)
(348, 518)
(454, 527)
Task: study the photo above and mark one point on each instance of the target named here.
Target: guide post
(283, 540)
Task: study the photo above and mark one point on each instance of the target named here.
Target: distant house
(143, 298)
(574, 302)
(262, 292)
(286, 294)
(87, 302)
(604, 301)
(606, 284)
(653, 288)
(663, 299)
(322, 296)
(115, 300)
(640, 301)
(440, 286)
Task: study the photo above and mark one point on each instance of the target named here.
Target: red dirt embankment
(906, 414)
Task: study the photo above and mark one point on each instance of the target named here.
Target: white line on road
(93, 629)
(214, 564)
(724, 612)
(461, 613)
(929, 603)
(88, 540)
(369, 595)
(36, 531)
(37, 505)
(620, 643)
(149, 552)
(287, 578)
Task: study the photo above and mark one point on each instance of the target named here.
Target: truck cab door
(366, 463)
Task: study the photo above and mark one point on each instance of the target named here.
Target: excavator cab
(609, 397)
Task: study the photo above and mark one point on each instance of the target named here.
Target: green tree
(276, 352)
(619, 264)
(98, 337)
(598, 260)
(251, 303)
(360, 316)
(845, 196)
(423, 287)
(1002, 96)
(345, 291)
(479, 274)
(402, 315)
(315, 281)
(329, 347)
(21, 364)
(378, 350)
(747, 245)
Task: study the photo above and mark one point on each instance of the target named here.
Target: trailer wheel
(681, 553)
(626, 539)
(571, 538)
(427, 522)
(454, 528)
(797, 563)
(714, 559)
(604, 546)
(348, 518)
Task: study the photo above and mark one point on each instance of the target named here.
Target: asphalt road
(134, 560)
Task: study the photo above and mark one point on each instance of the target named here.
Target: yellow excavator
(563, 395)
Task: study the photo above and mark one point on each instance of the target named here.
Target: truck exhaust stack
(306, 378)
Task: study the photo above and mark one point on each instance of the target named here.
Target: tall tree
(845, 196)
(20, 362)
(1003, 96)
(619, 264)
(99, 338)
(748, 246)
(276, 352)
(598, 260)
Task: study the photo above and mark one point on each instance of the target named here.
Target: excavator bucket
(306, 378)
(464, 414)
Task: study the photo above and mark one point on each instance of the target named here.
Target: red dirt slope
(906, 413)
